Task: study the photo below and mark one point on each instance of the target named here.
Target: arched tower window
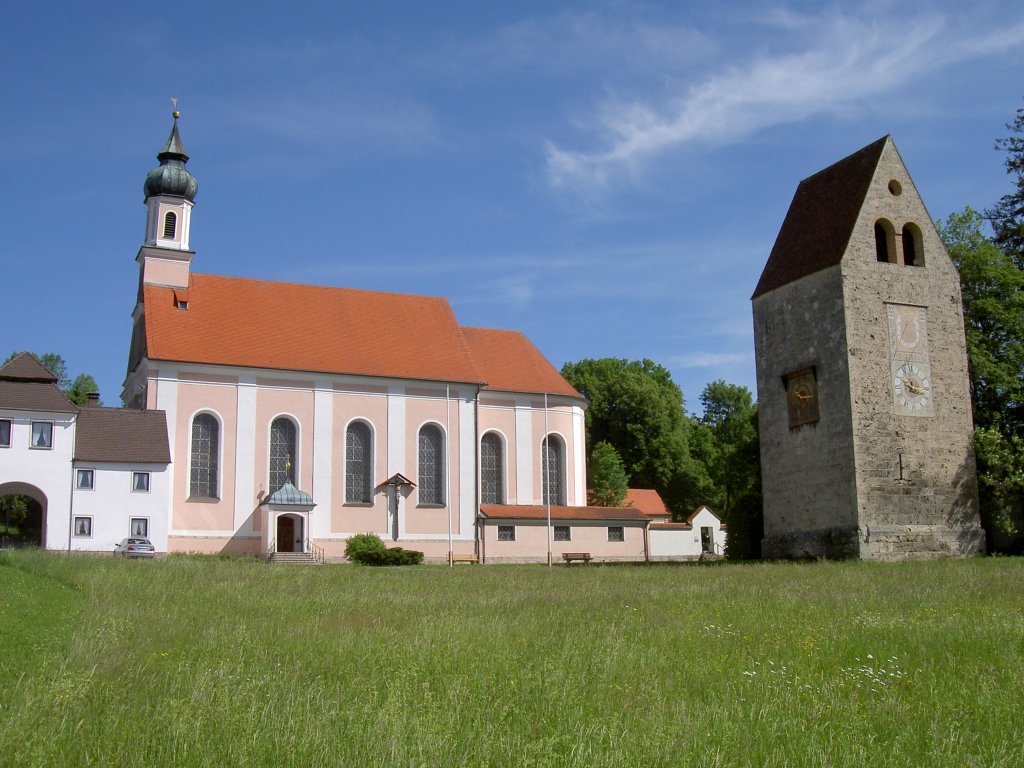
(431, 465)
(913, 250)
(492, 465)
(282, 452)
(170, 225)
(553, 458)
(205, 457)
(885, 242)
(358, 463)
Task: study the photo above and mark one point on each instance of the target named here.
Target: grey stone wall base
(920, 542)
(823, 543)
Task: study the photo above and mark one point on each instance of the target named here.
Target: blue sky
(608, 178)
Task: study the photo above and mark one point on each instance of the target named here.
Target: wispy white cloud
(835, 62)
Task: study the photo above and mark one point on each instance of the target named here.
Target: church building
(294, 416)
(862, 386)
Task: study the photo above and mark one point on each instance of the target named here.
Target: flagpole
(545, 471)
(447, 467)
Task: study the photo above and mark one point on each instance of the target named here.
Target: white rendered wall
(111, 503)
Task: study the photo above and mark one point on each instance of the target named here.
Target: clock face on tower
(909, 360)
(912, 388)
(802, 397)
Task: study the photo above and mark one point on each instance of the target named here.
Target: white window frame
(131, 528)
(80, 473)
(136, 473)
(31, 437)
(77, 521)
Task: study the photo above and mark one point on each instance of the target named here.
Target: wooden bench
(576, 557)
(457, 558)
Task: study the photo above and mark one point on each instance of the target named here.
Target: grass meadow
(210, 662)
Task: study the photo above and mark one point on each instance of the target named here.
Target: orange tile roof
(510, 363)
(288, 326)
(648, 501)
(540, 512)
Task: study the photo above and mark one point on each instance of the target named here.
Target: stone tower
(864, 406)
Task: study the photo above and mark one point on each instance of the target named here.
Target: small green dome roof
(171, 177)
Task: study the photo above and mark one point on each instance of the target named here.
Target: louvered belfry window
(431, 465)
(554, 488)
(205, 448)
(282, 452)
(170, 225)
(492, 481)
(357, 463)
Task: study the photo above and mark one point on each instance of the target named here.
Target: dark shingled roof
(540, 512)
(122, 435)
(820, 220)
(26, 385)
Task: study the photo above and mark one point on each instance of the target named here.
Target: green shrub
(369, 549)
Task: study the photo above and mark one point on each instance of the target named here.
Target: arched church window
(913, 251)
(170, 225)
(553, 470)
(492, 475)
(358, 463)
(885, 242)
(431, 465)
(205, 455)
(282, 452)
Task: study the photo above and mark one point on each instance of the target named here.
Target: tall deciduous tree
(606, 477)
(993, 297)
(1007, 216)
(732, 455)
(635, 406)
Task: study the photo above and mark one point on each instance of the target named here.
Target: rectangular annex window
(562, 533)
(42, 434)
(5, 433)
(139, 527)
(140, 482)
(83, 527)
(616, 533)
(506, 533)
(85, 479)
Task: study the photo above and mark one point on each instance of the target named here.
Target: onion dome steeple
(170, 177)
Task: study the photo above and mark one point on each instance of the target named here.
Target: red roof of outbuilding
(648, 501)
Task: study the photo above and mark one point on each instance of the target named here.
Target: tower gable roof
(27, 385)
(821, 218)
(25, 367)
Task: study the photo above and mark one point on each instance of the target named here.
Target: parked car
(135, 547)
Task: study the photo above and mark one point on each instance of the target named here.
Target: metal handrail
(272, 548)
(313, 549)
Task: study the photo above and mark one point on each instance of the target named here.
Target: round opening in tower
(895, 188)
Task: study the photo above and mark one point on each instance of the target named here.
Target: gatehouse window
(82, 527)
(42, 434)
(170, 225)
(358, 463)
(492, 475)
(563, 533)
(553, 470)
(282, 452)
(506, 533)
(913, 251)
(84, 479)
(431, 465)
(140, 482)
(205, 457)
(139, 526)
(5, 433)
